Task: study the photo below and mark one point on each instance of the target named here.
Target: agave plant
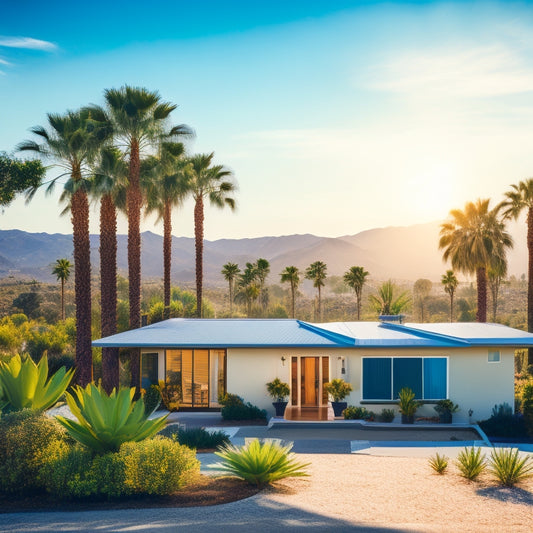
(25, 385)
(106, 421)
(439, 463)
(260, 463)
(508, 467)
(471, 463)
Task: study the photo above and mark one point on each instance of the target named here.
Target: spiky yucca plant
(106, 421)
(471, 463)
(25, 385)
(260, 463)
(439, 463)
(507, 466)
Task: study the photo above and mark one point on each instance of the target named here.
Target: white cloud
(466, 72)
(28, 43)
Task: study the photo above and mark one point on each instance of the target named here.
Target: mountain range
(400, 253)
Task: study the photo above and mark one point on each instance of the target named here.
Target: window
(384, 377)
(494, 357)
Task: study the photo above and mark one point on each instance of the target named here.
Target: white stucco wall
(473, 382)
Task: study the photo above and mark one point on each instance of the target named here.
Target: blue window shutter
(407, 372)
(435, 372)
(377, 378)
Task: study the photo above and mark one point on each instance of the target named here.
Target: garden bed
(206, 491)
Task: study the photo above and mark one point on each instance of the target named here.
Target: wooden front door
(309, 381)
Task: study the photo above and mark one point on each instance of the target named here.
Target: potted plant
(279, 391)
(338, 389)
(446, 408)
(407, 405)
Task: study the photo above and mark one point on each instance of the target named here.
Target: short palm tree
(317, 273)
(230, 271)
(166, 186)
(355, 278)
(450, 283)
(62, 272)
(212, 182)
(291, 275)
(138, 117)
(474, 240)
(262, 270)
(72, 141)
(249, 289)
(386, 302)
(520, 199)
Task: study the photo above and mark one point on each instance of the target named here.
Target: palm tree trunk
(319, 305)
(167, 256)
(481, 278)
(108, 290)
(134, 201)
(82, 274)
(451, 307)
(530, 279)
(292, 298)
(231, 283)
(63, 299)
(199, 245)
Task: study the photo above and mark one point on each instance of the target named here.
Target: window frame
(494, 361)
(392, 357)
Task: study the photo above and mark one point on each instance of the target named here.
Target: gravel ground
(343, 493)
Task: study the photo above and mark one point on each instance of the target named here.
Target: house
(470, 363)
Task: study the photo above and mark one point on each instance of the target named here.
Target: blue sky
(334, 116)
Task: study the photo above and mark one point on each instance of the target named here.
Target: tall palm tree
(386, 302)
(291, 275)
(230, 271)
(62, 271)
(166, 187)
(72, 141)
(355, 278)
(317, 273)
(450, 283)
(262, 270)
(210, 182)
(474, 240)
(495, 276)
(109, 185)
(421, 291)
(138, 117)
(518, 200)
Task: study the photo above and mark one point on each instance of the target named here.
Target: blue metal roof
(270, 333)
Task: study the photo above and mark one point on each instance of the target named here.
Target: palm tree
(72, 141)
(207, 182)
(138, 117)
(519, 199)
(474, 240)
(262, 270)
(166, 187)
(62, 271)
(355, 278)
(109, 185)
(291, 275)
(386, 302)
(249, 289)
(450, 283)
(230, 271)
(495, 276)
(317, 273)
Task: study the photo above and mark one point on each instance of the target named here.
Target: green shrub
(260, 463)
(338, 389)
(471, 463)
(171, 392)
(74, 472)
(197, 438)
(527, 408)
(152, 399)
(158, 466)
(387, 415)
(230, 400)
(106, 421)
(507, 466)
(439, 463)
(503, 423)
(24, 435)
(243, 412)
(355, 413)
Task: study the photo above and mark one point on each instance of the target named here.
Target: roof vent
(392, 318)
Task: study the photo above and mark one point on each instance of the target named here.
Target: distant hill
(401, 253)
